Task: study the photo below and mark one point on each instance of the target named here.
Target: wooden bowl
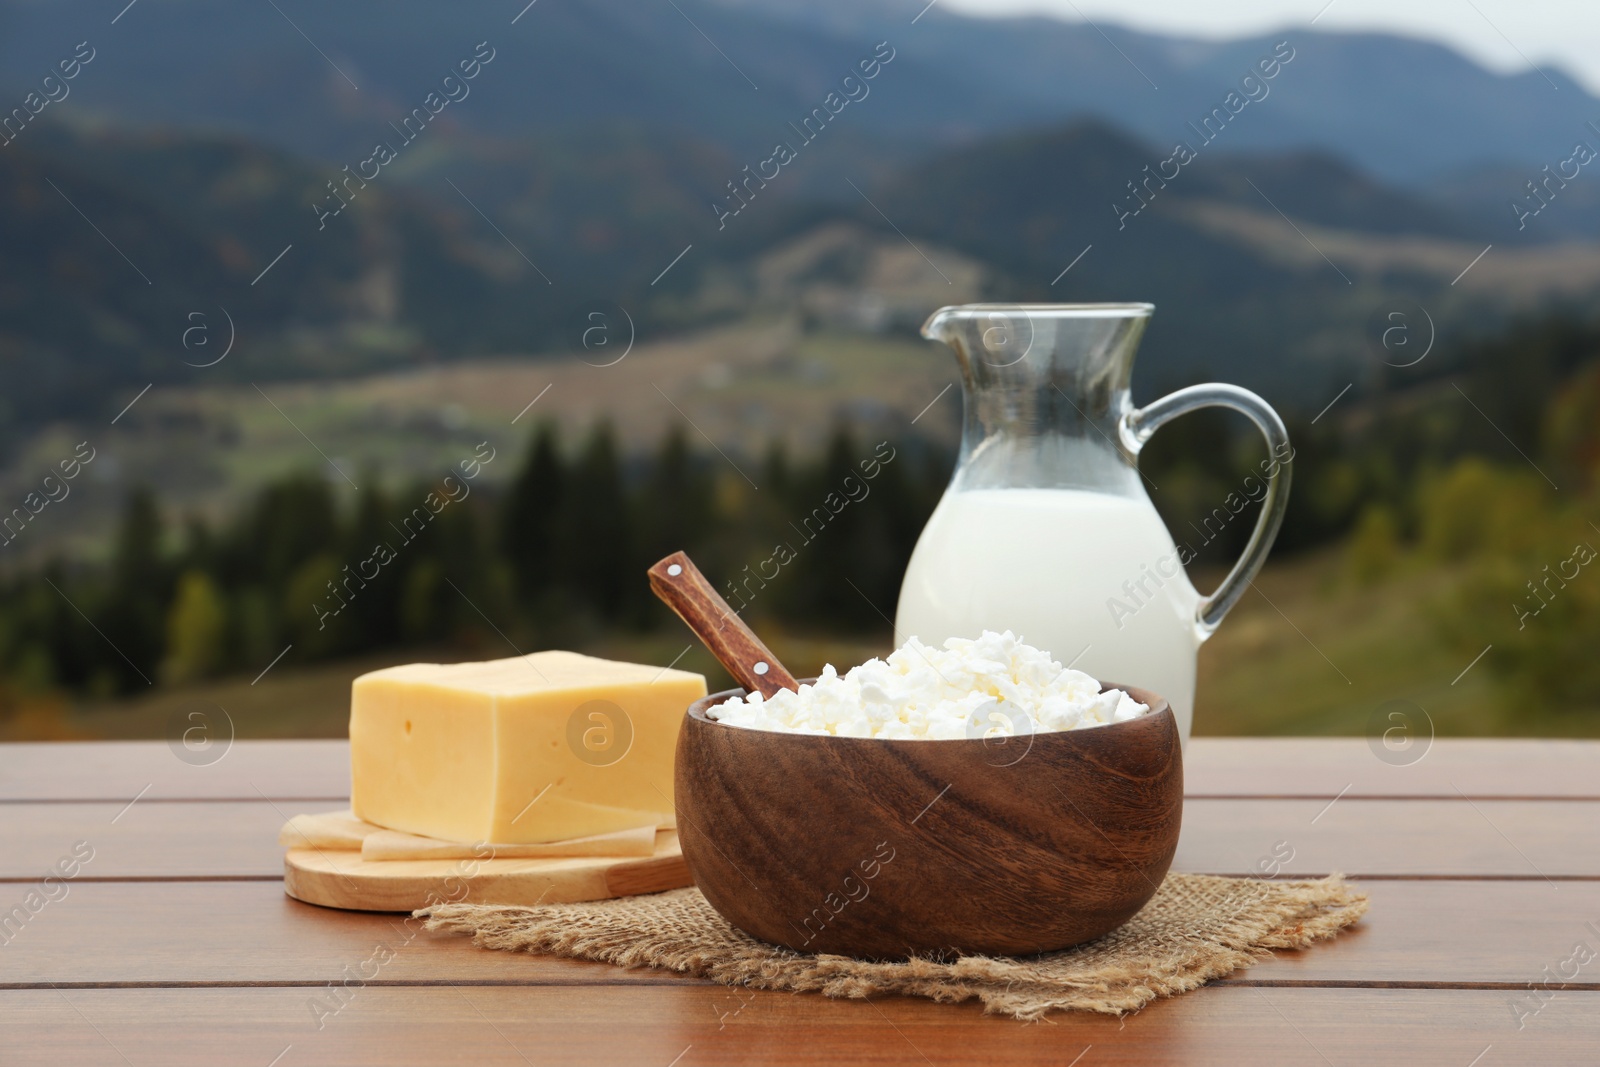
(886, 849)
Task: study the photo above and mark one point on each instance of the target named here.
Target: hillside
(1407, 110)
(191, 225)
(561, 67)
(1269, 271)
(1286, 295)
(209, 447)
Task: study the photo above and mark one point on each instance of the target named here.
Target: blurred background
(272, 273)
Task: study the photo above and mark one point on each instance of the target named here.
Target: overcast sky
(1504, 35)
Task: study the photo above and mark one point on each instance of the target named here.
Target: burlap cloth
(1196, 928)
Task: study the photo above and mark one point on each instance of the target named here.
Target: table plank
(143, 841)
(241, 932)
(1438, 933)
(1511, 838)
(120, 770)
(1325, 766)
(244, 932)
(1492, 935)
(1303, 767)
(1458, 838)
(694, 1026)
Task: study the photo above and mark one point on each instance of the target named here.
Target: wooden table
(174, 944)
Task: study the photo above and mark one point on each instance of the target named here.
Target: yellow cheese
(543, 747)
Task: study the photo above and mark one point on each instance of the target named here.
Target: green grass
(1310, 653)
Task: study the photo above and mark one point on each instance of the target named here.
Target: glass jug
(1046, 529)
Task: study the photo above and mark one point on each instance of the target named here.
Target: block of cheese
(543, 747)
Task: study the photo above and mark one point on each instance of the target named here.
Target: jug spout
(937, 328)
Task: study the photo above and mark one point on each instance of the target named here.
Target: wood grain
(1438, 838)
(240, 933)
(1450, 767)
(681, 586)
(175, 932)
(658, 1026)
(145, 840)
(1213, 767)
(1509, 838)
(120, 770)
(884, 849)
(345, 880)
(1489, 936)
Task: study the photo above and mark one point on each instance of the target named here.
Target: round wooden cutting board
(342, 879)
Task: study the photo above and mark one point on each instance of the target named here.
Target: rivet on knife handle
(681, 586)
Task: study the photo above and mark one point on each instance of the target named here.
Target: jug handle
(1138, 425)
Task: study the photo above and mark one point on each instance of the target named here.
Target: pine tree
(593, 535)
(674, 511)
(529, 516)
(460, 545)
(374, 612)
(291, 521)
(136, 601)
(855, 576)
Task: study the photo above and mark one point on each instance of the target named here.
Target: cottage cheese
(994, 686)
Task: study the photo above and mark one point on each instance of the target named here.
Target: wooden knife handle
(681, 586)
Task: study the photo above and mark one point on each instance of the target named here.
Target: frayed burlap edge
(1196, 928)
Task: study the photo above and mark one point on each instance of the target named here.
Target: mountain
(605, 153)
(111, 245)
(1402, 109)
(1560, 210)
(1242, 291)
(734, 73)
(1267, 269)
(247, 70)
